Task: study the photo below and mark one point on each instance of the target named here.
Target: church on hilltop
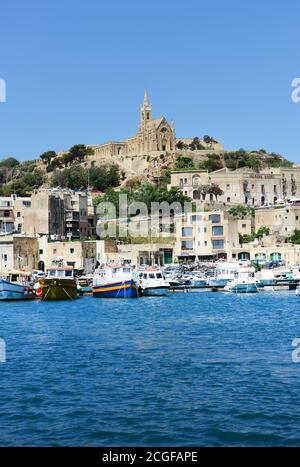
(154, 135)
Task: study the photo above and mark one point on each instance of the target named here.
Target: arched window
(244, 255)
(228, 200)
(260, 257)
(196, 194)
(275, 256)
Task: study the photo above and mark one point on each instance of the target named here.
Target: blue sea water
(202, 369)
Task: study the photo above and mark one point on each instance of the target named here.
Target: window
(71, 250)
(41, 252)
(215, 218)
(297, 217)
(54, 251)
(187, 232)
(185, 181)
(205, 243)
(18, 214)
(196, 218)
(205, 229)
(217, 230)
(228, 200)
(244, 226)
(187, 245)
(217, 244)
(4, 257)
(227, 186)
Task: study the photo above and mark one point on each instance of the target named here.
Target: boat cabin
(60, 272)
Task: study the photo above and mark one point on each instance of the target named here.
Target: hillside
(79, 169)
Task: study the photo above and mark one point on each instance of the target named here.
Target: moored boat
(243, 282)
(59, 283)
(152, 282)
(16, 286)
(224, 272)
(115, 282)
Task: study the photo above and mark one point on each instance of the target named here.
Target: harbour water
(190, 369)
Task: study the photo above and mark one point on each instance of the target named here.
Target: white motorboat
(151, 282)
(244, 281)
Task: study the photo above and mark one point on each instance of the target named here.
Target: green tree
(80, 151)
(103, 177)
(9, 162)
(47, 156)
(263, 230)
(74, 178)
(215, 190)
(179, 145)
(184, 163)
(239, 211)
(212, 163)
(295, 238)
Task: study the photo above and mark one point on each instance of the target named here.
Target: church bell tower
(146, 112)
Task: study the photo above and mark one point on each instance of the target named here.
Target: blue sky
(76, 71)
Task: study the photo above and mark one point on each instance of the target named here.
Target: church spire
(146, 100)
(146, 112)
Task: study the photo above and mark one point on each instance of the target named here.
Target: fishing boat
(58, 284)
(16, 286)
(151, 282)
(116, 281)
(243, 282)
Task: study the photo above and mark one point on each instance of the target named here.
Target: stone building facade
(208, 235)
(241, 186)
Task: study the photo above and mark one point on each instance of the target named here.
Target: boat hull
(13, 291)
(243, 288)
(58, 289)
(125, 289)
(155, 291)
